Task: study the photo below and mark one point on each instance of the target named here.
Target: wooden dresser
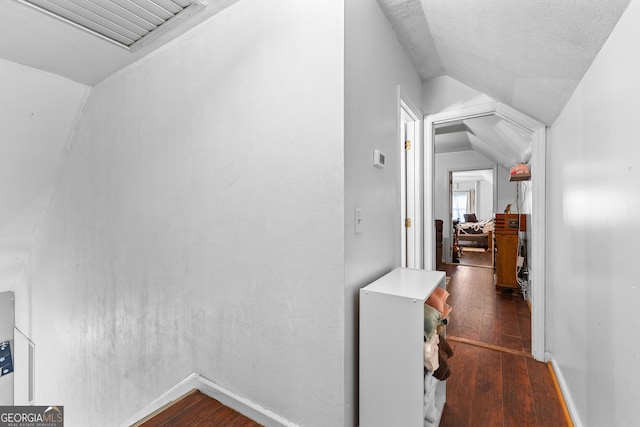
(507, 227)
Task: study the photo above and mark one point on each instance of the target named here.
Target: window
(459, 201)
(462, 202)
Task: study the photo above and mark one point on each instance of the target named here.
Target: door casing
(538, 215)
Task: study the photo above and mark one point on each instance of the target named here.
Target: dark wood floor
(198, 410)
(494, 380)
(482, 314)
(470, 256)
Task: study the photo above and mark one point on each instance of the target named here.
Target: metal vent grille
(123, 22)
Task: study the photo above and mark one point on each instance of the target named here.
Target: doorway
(536, 132)
(471, 214)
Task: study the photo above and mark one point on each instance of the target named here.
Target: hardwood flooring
(491, 388)
(196, 409)
(494, 380)
(472, 257)
(482, 314)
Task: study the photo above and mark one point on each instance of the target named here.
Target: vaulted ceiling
(34, 38)
(495, 138)
(529, 54)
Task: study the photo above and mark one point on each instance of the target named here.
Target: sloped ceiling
(499, 140)
(32, 38)
(35, 131)
(529, 54)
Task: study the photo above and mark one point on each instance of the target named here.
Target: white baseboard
(174, 393)
(565, 391)
(221, 394)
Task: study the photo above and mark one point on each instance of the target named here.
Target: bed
(475, 233)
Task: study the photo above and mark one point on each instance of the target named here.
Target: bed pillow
(470, 218)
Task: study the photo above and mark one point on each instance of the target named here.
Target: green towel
(432, 318)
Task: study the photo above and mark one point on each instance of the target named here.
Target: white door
(411, 218)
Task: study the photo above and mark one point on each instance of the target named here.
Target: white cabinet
(392, 348)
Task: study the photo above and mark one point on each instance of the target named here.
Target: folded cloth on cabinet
(438, 300)
(443, 372)
(444, 345)
(430, 412)
(445, 352)
(432, 318)
(431, 352)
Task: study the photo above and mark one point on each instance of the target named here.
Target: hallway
(494, 380)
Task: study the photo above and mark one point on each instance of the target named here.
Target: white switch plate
(358, 217)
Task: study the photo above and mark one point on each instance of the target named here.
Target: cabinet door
(506, 259)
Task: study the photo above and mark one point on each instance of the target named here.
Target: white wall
(198, 225)
(507, 193)
(38, 111)
(593, 290)
(375, 65)
(484, 200)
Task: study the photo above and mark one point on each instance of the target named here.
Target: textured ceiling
(529, 54)
(33, 38)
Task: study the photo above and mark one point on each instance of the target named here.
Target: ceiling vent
(127, 23)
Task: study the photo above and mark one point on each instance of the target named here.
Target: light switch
(379, 159)
(358, 220)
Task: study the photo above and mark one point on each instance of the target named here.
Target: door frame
(493, 167)
(411, 193)
(538, 214)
